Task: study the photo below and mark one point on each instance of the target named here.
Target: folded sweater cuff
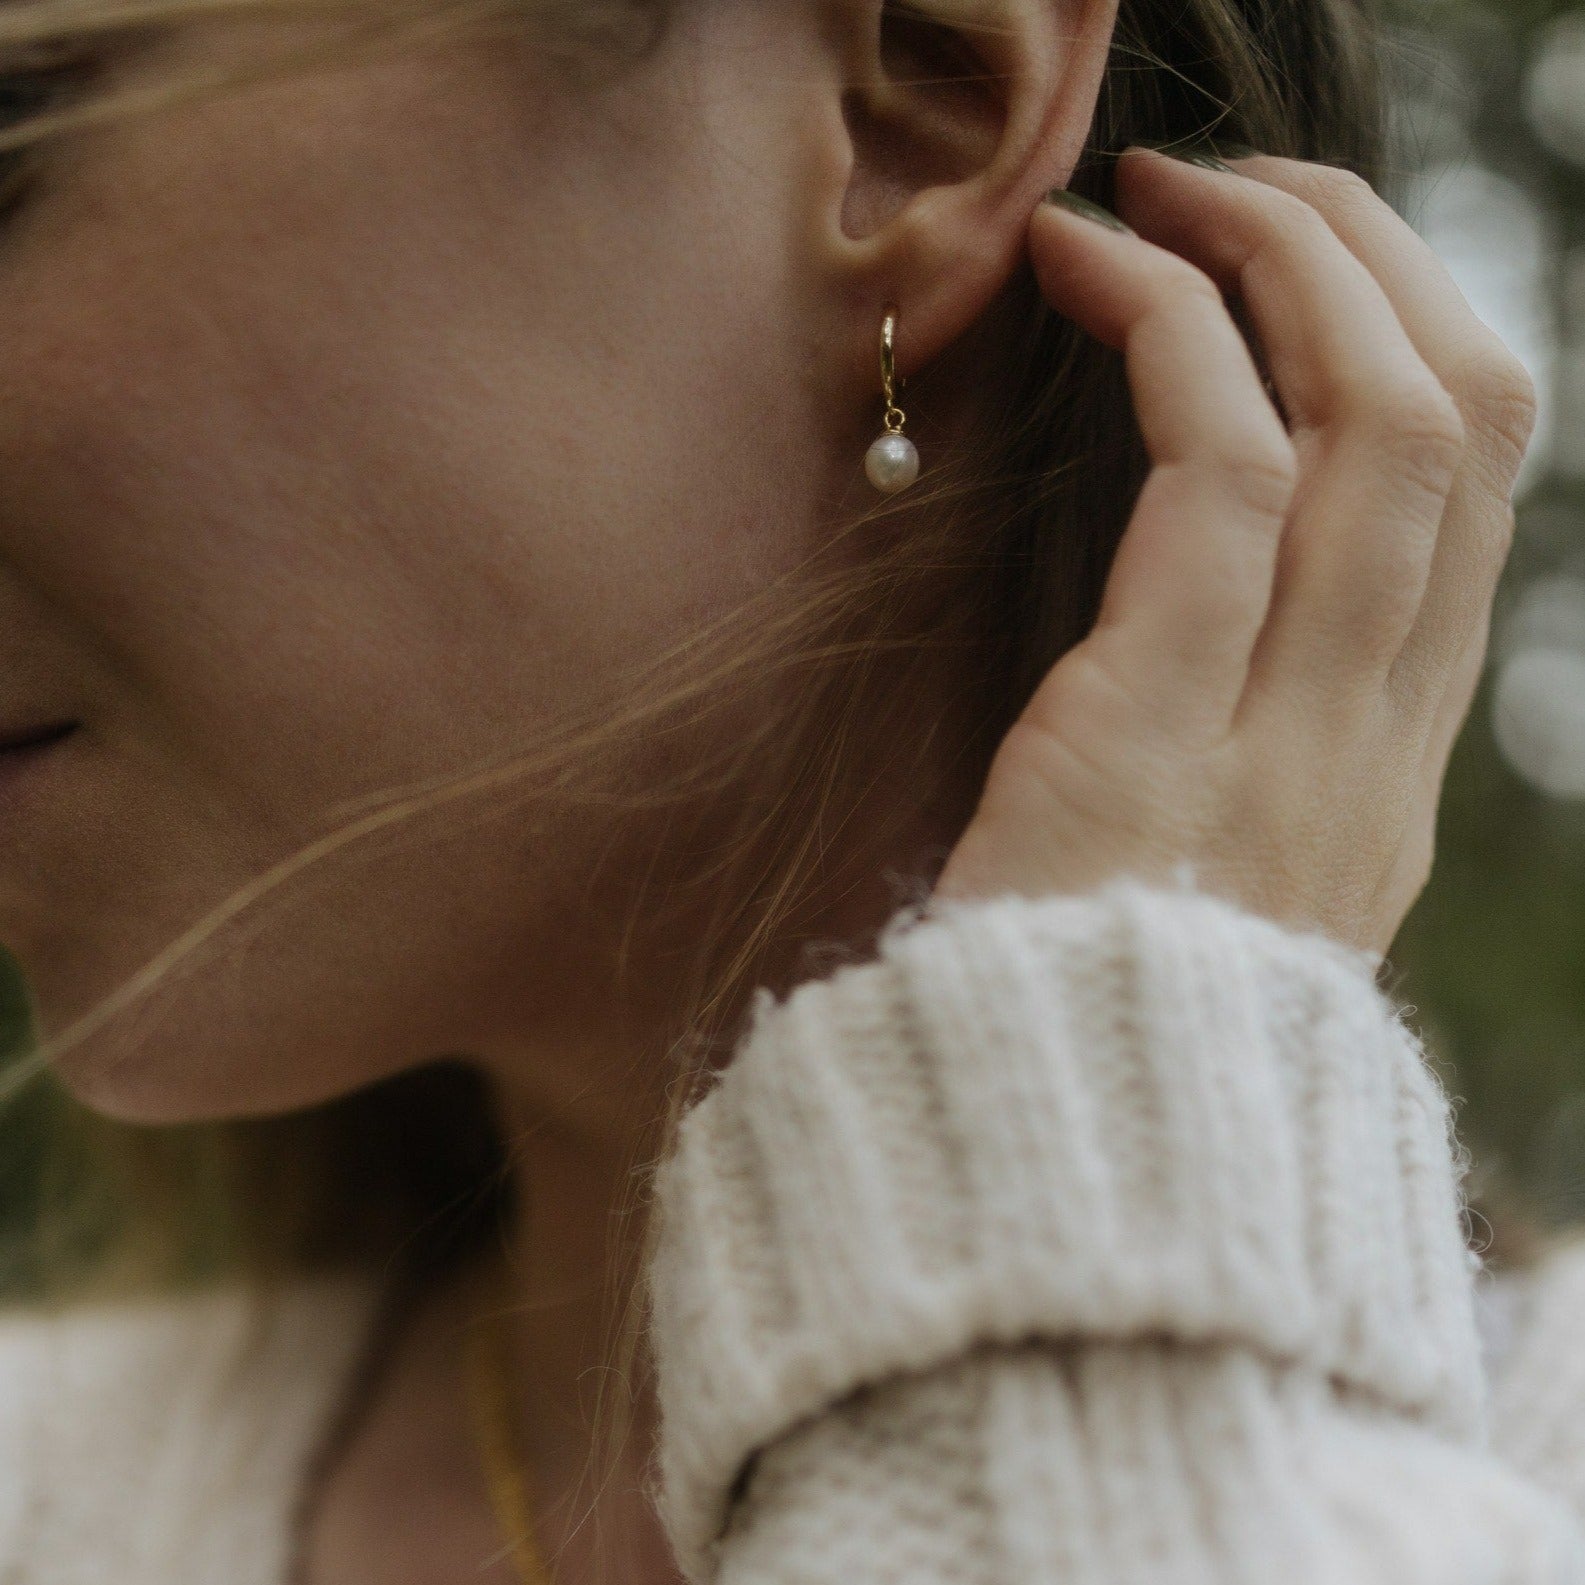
(1140, 1112)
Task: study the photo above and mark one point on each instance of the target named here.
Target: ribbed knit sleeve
(1114, 1238)
(1538, 1402)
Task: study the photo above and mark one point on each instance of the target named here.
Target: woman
(466, 698)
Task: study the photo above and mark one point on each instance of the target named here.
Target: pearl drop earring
(892, 461)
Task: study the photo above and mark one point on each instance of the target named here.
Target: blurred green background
(1490, 155)
(1490, 162)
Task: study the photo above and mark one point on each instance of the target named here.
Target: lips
(18, 739)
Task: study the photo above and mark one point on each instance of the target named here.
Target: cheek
(342, 493)
(321, 446)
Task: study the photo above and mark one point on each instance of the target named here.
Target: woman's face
(350, 427)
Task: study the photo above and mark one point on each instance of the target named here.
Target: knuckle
(1390, 606)
(1262, 474)
(1335, 188)
(1236, 595)
(1501, 398)
(1092, 677)
(1180, 279)
(1091, 704)
(1345, 183)
(1376, 619)
(1294, 221)
(1418, 422)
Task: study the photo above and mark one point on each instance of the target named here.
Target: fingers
(1483, 377)
(1379, 438)
(1496, 398)
(1191, 585)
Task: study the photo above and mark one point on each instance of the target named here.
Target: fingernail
(1074, 204)
(1238, 151)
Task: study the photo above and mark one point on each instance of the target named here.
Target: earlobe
(959, 116)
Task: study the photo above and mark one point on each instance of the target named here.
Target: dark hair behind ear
(1301, 78)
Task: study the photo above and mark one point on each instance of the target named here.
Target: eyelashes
(30, 87)
(20, 99)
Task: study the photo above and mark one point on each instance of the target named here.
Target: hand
(1298, 613)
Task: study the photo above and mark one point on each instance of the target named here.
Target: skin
(356, 424)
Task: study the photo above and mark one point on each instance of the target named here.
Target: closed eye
(31, 85)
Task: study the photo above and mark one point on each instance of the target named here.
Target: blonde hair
(1002, 564)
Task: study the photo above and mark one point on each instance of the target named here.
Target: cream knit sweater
(1103, 1240)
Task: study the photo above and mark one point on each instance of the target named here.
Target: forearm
(1101, 1173)
(1148, 1463)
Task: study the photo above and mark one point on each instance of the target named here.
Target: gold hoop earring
(892, 461)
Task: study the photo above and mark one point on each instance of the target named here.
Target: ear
(957, 117)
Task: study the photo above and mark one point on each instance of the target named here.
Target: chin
(182, 1057)
(155, 1085)
(148, 1100)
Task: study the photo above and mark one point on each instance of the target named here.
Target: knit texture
(1105, 1240)
(1538, 1407)
(1133, 1116)
(162, 1441)
(1133, 1464)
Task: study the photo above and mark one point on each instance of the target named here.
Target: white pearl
(892, 463)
